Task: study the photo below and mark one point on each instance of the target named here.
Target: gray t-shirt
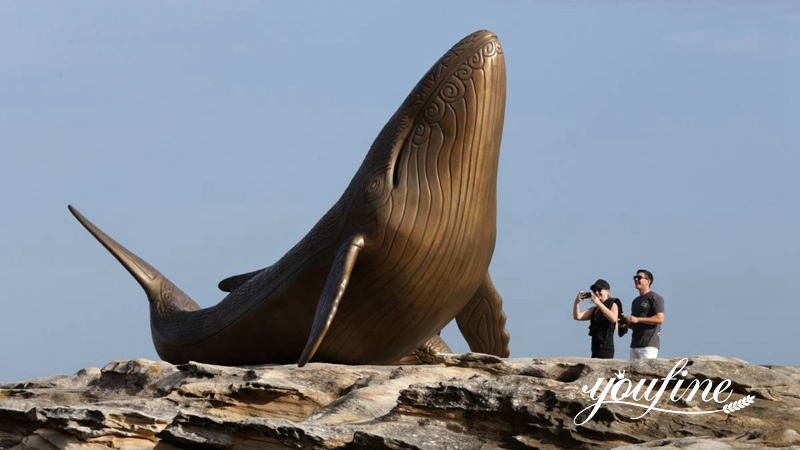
(645, 335)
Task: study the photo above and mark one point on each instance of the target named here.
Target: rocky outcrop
(466, 401)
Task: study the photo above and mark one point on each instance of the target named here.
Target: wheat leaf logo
(739, 404)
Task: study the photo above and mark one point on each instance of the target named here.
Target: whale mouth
(475, 64)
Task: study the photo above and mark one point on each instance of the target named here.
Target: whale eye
(373, 186)
(374, 189)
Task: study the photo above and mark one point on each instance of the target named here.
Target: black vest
(601, 329)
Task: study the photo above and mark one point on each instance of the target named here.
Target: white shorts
(644, 353)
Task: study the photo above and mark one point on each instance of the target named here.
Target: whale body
(404, 251)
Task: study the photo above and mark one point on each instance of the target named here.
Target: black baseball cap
(599, 285)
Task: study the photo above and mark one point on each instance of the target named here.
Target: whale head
(436, 159)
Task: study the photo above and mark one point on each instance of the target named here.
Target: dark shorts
(605, 354)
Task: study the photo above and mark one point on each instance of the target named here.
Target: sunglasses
(638, 278)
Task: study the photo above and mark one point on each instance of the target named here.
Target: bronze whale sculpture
(404, 250)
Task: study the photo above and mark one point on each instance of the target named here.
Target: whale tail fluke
(161, 292)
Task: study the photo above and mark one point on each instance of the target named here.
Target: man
(647, 315)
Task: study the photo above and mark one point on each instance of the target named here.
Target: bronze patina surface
(404, 251)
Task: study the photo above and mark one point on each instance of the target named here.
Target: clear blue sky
(209, 137)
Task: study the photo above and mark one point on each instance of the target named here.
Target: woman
(603, 316)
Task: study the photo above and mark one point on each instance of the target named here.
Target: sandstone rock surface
(468, 401)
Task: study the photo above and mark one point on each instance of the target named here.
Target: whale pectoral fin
(332, 294)
(427, 353)
(482, 321)
(231, 283)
